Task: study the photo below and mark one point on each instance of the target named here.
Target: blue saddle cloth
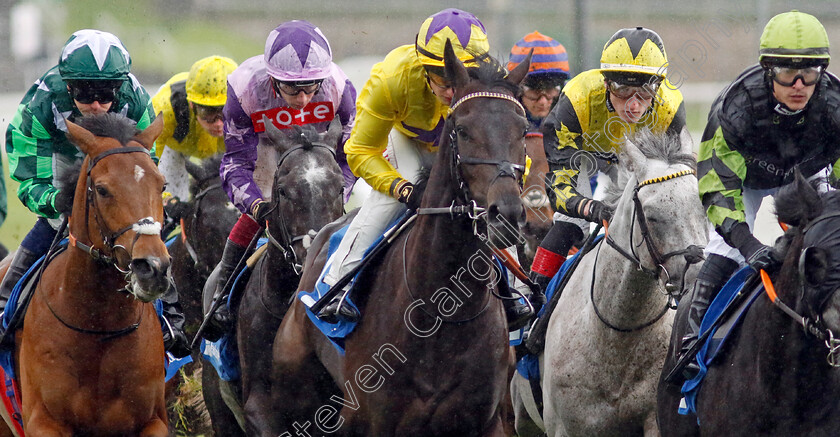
(718, 338)
(171, 364)
(528, 365)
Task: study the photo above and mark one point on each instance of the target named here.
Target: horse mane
(110, 125)
(490, 72)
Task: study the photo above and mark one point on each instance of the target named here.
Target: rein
(196, 209)
(693, 254)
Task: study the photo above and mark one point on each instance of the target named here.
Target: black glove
(595, 211)
(175, 208)
(64, 202)
(261, 210)
(409, 194)
(764, 257)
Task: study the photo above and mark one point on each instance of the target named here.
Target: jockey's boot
(518, 314)
(714, 273)
(223, 320)
(338, 309)
(174, 338)
(550, 256)
(22, 261)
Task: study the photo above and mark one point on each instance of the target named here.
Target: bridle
(195, 214)
(115, 255)
(815, 327)
(285, 240)
(693, 254)
(468, 206)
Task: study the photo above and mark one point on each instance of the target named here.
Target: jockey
(548, 73)
(401, 112)
(585, 131)
(288, 84)
(777, 115)
(92, 77)
(191, 106)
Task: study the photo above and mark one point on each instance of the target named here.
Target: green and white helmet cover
(794, 34)
(94, 55)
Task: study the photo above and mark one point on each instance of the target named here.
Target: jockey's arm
(375, 117)
(239, 160)
(562, 140)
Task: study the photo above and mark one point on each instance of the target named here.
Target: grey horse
(606, 341)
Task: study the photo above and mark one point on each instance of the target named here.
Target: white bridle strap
(490, 95)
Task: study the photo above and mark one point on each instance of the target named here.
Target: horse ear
(82, 138)
(455, 70)
(687, 143)
(333, 134)
(633, 158)
(797, 203)
(195, 170)
(521, 70)
(813, 265)
(149, 135)
(281, 140)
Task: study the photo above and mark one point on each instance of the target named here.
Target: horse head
(118, 198)
(212, 213)
(308, 186)
(810, 274)
(659, 207)
(483, 147)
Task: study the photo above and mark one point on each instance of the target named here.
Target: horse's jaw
(147, 290)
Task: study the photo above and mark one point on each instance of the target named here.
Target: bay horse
(430, 355)
(607, 337)
(540, 216)
(90, 353)
(782, 378)
(306, 195)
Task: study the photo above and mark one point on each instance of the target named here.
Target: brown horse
(430, 355)
(539, 216)
(90, 353)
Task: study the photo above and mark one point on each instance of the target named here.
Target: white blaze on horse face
(314, 175)
(138, 173)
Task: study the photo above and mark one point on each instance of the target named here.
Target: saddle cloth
(716, 340)
(10, 393)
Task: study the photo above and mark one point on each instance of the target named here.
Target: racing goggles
(295, 88)
(787, 76)
(209, 114)
(444, 85)
(534, 94)
(87, 92)
(624, 92)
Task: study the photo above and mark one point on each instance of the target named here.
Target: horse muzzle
(148, 277)
(505, 217)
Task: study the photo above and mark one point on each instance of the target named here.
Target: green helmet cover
(94, 55)
(794, 34)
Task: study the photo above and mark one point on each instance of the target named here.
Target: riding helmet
(297, 51)
(794, 38)
(207, 80)
(633, 55)
(467, 34)
(549, 63)
(94, 55)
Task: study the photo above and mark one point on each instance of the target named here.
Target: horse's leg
(650, 426)
(523, 404)
(40, 423)
(155, 428)
(224, 421)
(497, 428)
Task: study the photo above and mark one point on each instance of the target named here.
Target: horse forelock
(110, 125)
(662, 147)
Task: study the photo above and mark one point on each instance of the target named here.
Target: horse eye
(462, 133)
(281, 192)
(102, 191)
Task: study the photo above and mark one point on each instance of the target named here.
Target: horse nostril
(142, 268)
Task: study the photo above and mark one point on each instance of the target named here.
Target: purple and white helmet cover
(297, 51)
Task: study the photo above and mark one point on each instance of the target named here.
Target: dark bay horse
(774, 377)
(306, 195)
(90, 353)
(204, 229)
(539, 216)
(430, 355)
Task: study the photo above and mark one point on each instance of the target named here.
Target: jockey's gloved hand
(260, 210)
(64, 202)
(408, 193)
(175, 209)
(595, 211)
(764, 258)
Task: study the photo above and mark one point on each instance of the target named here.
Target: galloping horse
(90, 354)
(305, 196)
(774, 377)
(430, 354)
(203, 231)
(607, 337)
